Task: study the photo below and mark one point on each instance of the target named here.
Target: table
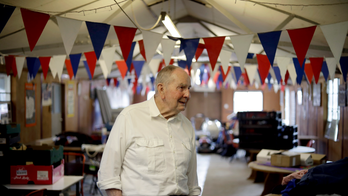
(52, 189)
(274, 175)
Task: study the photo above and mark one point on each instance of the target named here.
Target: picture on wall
(30, 113)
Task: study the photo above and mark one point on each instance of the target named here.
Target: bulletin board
(30, 113)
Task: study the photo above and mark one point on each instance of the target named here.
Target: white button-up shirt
(147, 154)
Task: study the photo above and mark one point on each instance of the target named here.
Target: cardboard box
(306, 159)
(36, 174)
(318, 159)
(264, 155)
(286, 159)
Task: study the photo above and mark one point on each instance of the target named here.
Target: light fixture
(168, 23)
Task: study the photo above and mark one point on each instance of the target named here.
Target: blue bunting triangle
(269, 43)
(238, 72)
(98, 33)
(87, 69)
(325, 71)
(138, 66)
(75, 61)
(182, 64)
(5, 14)
(107, 79)
(33, 65)
(277, 73)
(129, 81)
(269, 77)
(344, 67)
(299, 70)
(250, 55)
(189, 46)
(139, 88)
(130, 56)
(152, 82)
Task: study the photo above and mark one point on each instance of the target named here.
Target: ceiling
(193, 18)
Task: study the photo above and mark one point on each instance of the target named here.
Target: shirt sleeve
(194, 189)
(113, 156)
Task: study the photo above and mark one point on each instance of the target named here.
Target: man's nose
(187, 93)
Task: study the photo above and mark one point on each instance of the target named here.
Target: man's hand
(113, 192)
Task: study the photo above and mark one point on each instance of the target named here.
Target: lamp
(168, 23)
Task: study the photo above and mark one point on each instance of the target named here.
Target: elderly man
(151, 147)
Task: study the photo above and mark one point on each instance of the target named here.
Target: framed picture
(316, 100)
(30, 113)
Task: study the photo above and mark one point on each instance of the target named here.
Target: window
(5, 88)
(247, 101)
(333, 109)
(289, 108)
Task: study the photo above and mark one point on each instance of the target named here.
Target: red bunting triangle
(122, 66)
(142, 48)
(11, 64)
(131, 68)
(45, 62)
(91, 61)
(263, 65)
(199, 50)
(34, 23)
(301, 38)
(224, 75)
(135, 85)
(161, 65)
(213, 46)
(125, 37)
(287, 75)
(309, 72)
(317, 63)
(69, 68)
(246, 78)
(115, 82)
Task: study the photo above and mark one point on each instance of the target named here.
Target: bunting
(251, 71)
(237, 72)
(34, 23)
(213, 46)
(151, 42)
(199, 51)
(125, 37)
(69, 28)
(269, 42)
(225, 58)
(130, 57)
(85, 63)
(98, 33)
(301, 39)
(331, 65)
(309, 72)
(292, 74)
(91, 62)
(263, 66)
(299, 70)
(56, 65)
(325, 71)
(108, 55)
(241, 44)
(142, 48)
(20, 63)
(190, 46)
(344, 67)
(5, 14)
(45, 61)
(122, 66)
(167, 48)
(69, 68)
(33, 65)
(11, 65)
(317, 64)
(138, 66)
(74, 62)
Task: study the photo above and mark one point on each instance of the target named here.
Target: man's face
(177, 92)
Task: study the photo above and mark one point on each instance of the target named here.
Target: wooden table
(273, 176)
(52, 189)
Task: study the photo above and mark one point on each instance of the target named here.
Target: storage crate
(37, 155)
(12, 128)
(7, 140)
(259, 115)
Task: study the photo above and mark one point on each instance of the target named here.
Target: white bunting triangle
(276, 87)
(167, 48)
(108, 55)
(56, 65)
(104, 68)
(292, 73)
(69, 28)
(251, 71)
(257, 80)
(151, 41)
(283, 63)
(213, 72)
(271, 71)
(154, 64)
(225, 56)
(331, 65)
(20, 63)
(335, 35)
(241, 44)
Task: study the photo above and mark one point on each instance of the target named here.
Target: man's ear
(160, 90)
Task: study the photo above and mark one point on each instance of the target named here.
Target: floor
(217, 176)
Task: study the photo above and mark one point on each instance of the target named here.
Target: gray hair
(164, 76)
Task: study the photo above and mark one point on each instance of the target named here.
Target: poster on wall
(316, 94)
(30, 114)
(71, 99)
(342, 95)
(46, 94)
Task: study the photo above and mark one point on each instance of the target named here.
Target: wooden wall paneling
(345, 133)
(323, 142)
(207, 103)
(271, 100)
(85, 109)
(226, 103)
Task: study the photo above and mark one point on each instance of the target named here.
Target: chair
(40, 192)
(74, 165)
